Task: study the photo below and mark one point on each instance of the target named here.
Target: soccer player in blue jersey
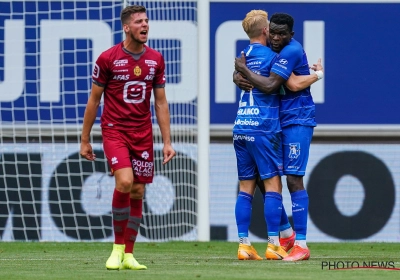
(297, 118)
(257, 141)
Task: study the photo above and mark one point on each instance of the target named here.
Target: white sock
(274, 240)
(286, 233)
(301, 243)
(244, 240)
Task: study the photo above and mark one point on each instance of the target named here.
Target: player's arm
(163, 119)
(241, 81)
(267, 85)
(296, 83)
(88, 121)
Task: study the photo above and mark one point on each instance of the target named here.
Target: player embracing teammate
(281, 128)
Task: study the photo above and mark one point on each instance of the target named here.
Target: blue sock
(272, 212)
(300, 213)
(284, 220)
(243, 213)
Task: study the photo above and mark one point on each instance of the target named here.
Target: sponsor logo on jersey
(120, 62)
(243, 137)
(254, 63)
(294, 151)
(149, 77)
(137, 70)
(280, 65)
(120, 70)
(121, 77)
(150, 62)
(152, 71)
(114, 160)
(142, 168)
(96, 71)
(283, 61)
(247, 122)
(145, 155)
(248, 111)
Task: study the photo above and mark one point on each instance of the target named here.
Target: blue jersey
(258, 113)
(296, 107)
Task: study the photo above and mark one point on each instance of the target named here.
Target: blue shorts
(296, 141)
(258, 155)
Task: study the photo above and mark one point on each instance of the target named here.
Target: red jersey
(128, 84)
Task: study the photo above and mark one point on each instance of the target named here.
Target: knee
(124, 185)
(295, 183)
(137, 191)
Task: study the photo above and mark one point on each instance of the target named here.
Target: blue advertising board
(360, 57)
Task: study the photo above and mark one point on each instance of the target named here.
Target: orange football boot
(275, 252)
(247, 252)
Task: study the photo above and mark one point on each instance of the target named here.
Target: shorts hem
(149, 182)
(247, 178)
(271, 176)
(294, 173)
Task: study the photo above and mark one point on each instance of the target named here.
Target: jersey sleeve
(100, 70)
(159, 78)
(286, 61)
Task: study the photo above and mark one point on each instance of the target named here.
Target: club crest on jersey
(137, 71)
(294, 151)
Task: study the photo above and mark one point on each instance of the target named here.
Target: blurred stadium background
(47, 52)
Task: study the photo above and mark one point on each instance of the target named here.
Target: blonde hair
(254, 22)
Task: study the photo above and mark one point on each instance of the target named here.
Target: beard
(137, 40)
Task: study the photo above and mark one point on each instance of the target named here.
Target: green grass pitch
(191, 260)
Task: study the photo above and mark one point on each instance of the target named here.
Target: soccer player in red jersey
(127, 73)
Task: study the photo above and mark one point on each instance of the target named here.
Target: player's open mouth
(144, 32)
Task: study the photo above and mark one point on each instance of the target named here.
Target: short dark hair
(128, 11)
(282, 19)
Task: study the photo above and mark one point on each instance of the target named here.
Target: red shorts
(130, 149)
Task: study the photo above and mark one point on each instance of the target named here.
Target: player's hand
(87, 151)
(169, 153)
(318, 66)
(240, 63)
(242, 82)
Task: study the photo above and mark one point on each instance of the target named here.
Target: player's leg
(272, 214)
(297, 140)
(300, 203)
(132, 230)
(243, 210)
(141, 149)
(267, 152)
(118, 159)
(120, 212)
(286, 234)
(247, 171)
